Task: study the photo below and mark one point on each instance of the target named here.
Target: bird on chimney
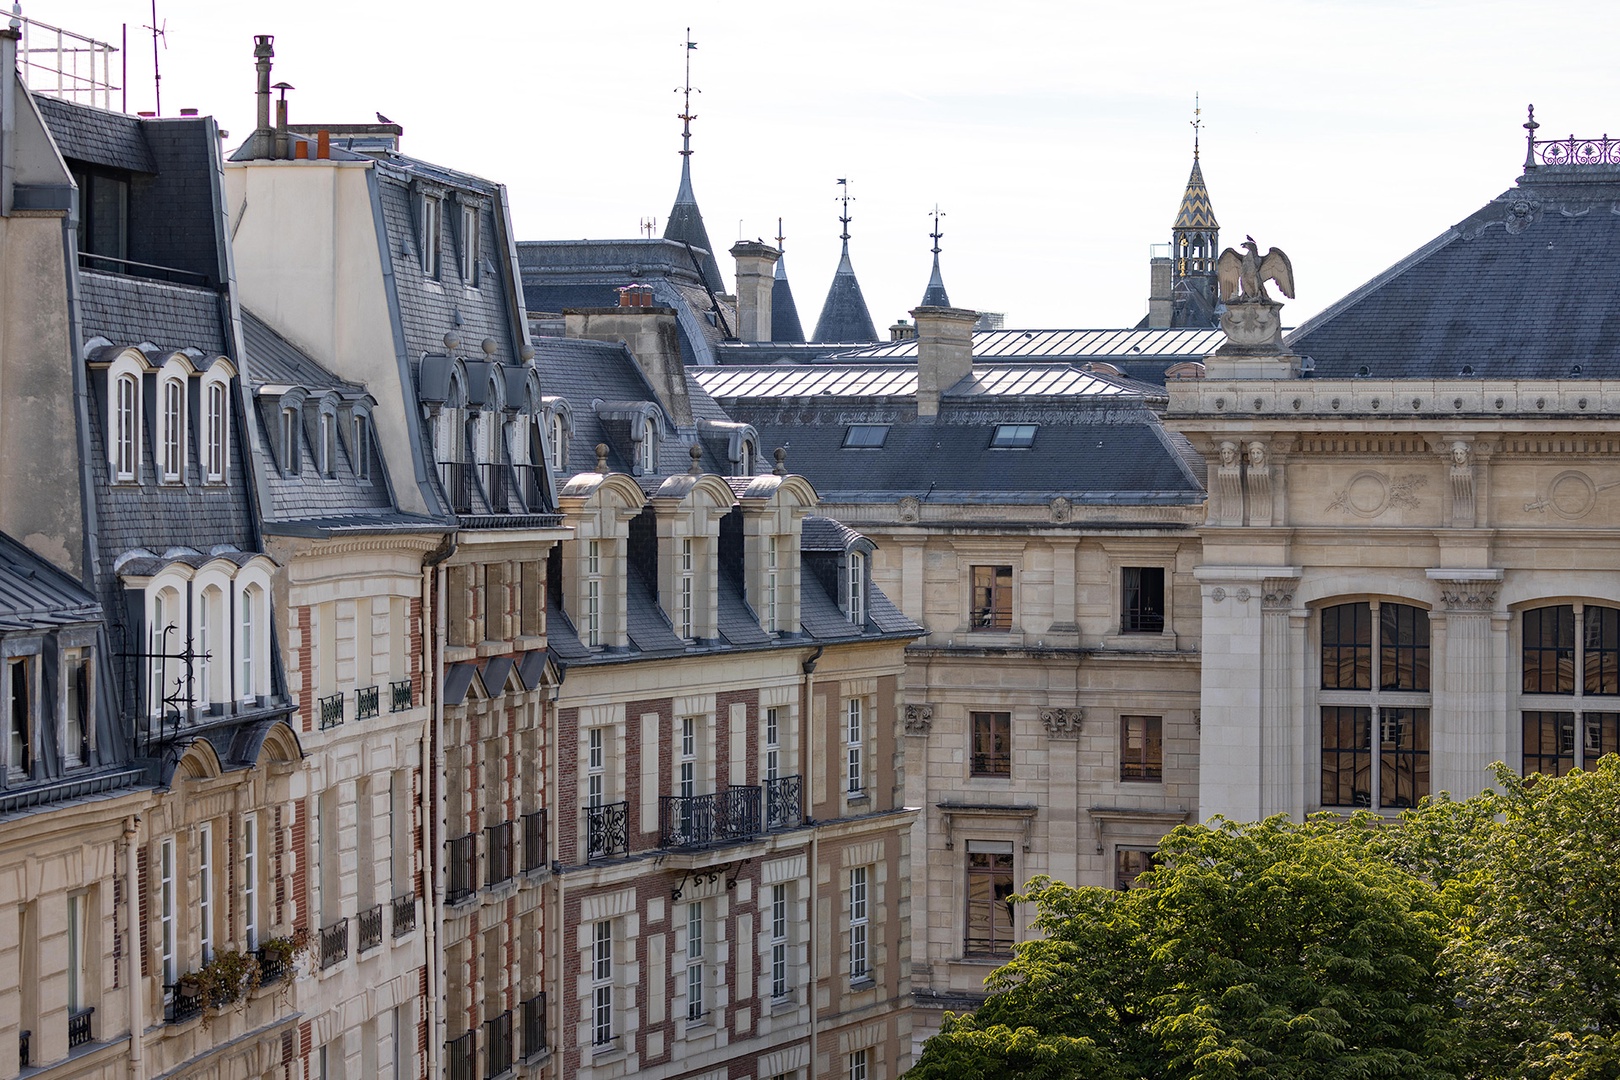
(381, 119)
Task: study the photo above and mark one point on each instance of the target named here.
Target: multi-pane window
(250, 881)
(695, 1006)
(859, 968)
(1374, 684)
(991, 750)
(855, 584)
(1142, 602)
(858, 1063)
(1571, 653)
(854, 737)
(602, 984)
(77, 731)
(992, 598)
(205, 889)
(247, 648)
(779, 941)
(216, 411)
(685, 590)
(173, 427)
(593, 593)
(328, 444)
(1141, 748)
(745, 458)
(126, 398)
(362, 447)
(20, 709)
(469, 245)
(431, 228)
(989, 901)
(289, 441)
(78, 911)
(773, 743)
(772, 569)
(166, 912)
(865, 436)
(595, 768)
(649, 446)
(1013, 437)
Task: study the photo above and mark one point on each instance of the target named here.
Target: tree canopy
(1471, 939)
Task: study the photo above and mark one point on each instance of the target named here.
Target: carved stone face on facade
(1228, 454)
(1459, 453)
(1257, 455)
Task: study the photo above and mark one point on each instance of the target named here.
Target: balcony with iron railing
(498, 1045)
(331, 709)
(404, 914)
(369, 932)
(334, 943)
(463, 869)
(461, 1057)
(365, 703)
(536, 849)
(400, 696)
(24, 1050)
(499, 840)
(273, 965)
(181, 1002)
(79, 1027)
(457, 477)
(534, 1027)
(784, 802)
(607, 831)
(699, 821)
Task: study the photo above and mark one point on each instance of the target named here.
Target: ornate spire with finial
(685, 222)
(785, 325)
(1197, 123)
(844, 315)
(687, 115)
(1194, 240)
(844, 218)
(1530, 127)
(935, 295)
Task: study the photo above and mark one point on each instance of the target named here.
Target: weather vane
(936, 234)
(844, 219)
(687, 115)
(779, 236)
(1197, 123)
(649, 226)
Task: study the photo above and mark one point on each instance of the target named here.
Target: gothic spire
(935, 295)
(785, 326)
(685, 223)
(844, 315)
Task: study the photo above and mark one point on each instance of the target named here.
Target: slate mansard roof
(34, 595)
(1523, 288)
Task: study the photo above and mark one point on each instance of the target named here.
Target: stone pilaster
(1281, 735)
(1468, 726)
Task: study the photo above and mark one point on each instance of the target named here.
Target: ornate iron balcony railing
(401, 695)
(334, 943)
(79, 1027)
(272, 965)
(404, 914)
(535, 851)
(607, 830)
(784, 802)
(365, 703)
(369, 932)
(704, 820)
(331, 711)
(182, 1001)
(463, 868)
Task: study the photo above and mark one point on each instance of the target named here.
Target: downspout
(434, 587)
(132, 949)
(806, 699)
(554, 918)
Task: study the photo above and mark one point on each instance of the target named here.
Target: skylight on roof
(1013, 437)
(865, 436)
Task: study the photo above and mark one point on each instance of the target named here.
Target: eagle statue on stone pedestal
(1243, 277)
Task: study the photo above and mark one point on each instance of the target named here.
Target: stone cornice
(1281, 400)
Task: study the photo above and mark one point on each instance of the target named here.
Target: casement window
(602, 984)
(773, 744)
(126, 426)
(205, 889)
(559, 442)
(172, 428)
(216, 430)
(991, 751)
(992, 598)
(432, 226)
(211, 629)
(327, 449)
(989, 899)
(250, 881)
(1142, 600)
(595, 768)
(163, 631)
(772, 578)
(1374, 684)
(167, 914)
(289, 441)
(745, 458)
(20, 714)
(780, 985)
(855, 746)
(684, 597)
(78, 969)
(1141, 748)
(649, 446)
(858, 1062)
(859, 968)
(686, 776)
(593, 593)
(855, 591)
(247, 647)
(78, 729)
(362, 447)
(696, 1007)
(1570, 674)
(469, 245)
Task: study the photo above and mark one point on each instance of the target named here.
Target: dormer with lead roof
(687, 511)
(591, 567)
(634, 430)
(769, 517)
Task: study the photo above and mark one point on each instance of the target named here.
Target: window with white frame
(469, 245)
(684, 590)
(602, 984)
(362, 446)
(855, 600)
(686, 774)
(780, 986)
(855, 744)
(595, 767)
(126, 426)
(20, 714)
(773, 743)
(858, 1064)
(166, 610)
(745, 458)
(593, 593)
(696, 1007)
(649, 446)
(78, 920)
(859, 968)
(431, 230)
(250, 881)
(78, 728)
(216, 429)
(205, 889)
(559, 442)
(772, 576)
(289, 441)
(247, 648)
(327, 425)
(167, 930)
(172, 428)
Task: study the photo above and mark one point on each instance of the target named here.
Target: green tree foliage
(1477, 939)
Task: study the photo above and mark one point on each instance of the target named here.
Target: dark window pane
(1141, 748)
(1403, 776)
(992, 744)
(1549, 650)
(1600, 736)
(992, 598)
(1346, 756)
(1601, 650)
(1142, 609)
(989, 902)
(1347, 647)
(1404, 637)
(1549, 743)
(1130, 864)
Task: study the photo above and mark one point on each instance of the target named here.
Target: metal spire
(844, 219)
(1530, 127)
(779, 236)
(687, 115)
(1197, 123)
(936, 234)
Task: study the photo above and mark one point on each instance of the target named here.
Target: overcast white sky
(1054, 135)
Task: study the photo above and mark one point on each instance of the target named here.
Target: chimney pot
(188, 112)
(756, 275)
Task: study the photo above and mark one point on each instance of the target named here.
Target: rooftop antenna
(649, 226)
(936, 234)
(687, 115)
(844, 219)
(159, 30)
(1197, 123)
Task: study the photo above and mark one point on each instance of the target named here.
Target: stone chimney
(1160, 304)
(650, 335)
(264, 136)
(756, 272)
(944, 352)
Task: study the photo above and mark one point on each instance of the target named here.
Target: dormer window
(1013, 437)
(745, 458)
(865, 436)
(772, 578)
(289, 441)
(559, 442)
(469, 245)
(216, 428)
(431, 228)
(172, 428)
(649, 446)
(855, 600)
(593, 594)
(126, 425)
(77, 730)
(685, 594)
(328, 444)
(362, 447)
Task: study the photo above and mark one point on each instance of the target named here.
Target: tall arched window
(216, 429)
(745, 458)
(649, 446)
(172, 428)
(1374, 701)
(1570, 687)
(213, 644)
(126, 413)
(248, 645)
(559, 442)
(166, 612)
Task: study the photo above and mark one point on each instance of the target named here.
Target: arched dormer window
(251, 646)
(745, 458)
(326, 441)
(216, 423)
(649, 446)
(360, 446)
(126, 413)
(166, 612)
(171, 428)
(559, 442)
